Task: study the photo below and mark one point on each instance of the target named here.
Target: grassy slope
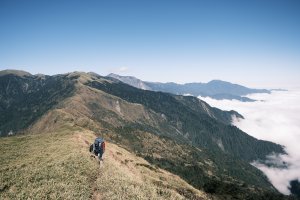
(59, 166)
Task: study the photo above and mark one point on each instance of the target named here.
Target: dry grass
(123, 175)
(58, 166)
(87, 106)
(130, 112)
(48, 166)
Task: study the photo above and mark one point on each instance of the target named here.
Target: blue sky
(256, 43)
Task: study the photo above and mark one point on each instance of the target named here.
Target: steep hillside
(24, 98)
(59, 166)
(200, 124)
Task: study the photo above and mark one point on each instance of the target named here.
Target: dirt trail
(83, 140)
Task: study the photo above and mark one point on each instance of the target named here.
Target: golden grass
(124, 175)
(48, 166)
(59, 166)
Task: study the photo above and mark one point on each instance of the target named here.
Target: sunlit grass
(45, 166)
(59, 166)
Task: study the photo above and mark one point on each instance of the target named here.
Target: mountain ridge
(14, 72)
(182, 135)
(216, 89)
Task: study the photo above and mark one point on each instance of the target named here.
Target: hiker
(98, 148)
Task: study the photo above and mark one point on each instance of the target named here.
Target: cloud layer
(275, 117)
(119, 70)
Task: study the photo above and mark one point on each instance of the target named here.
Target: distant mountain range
(181, 134)
(215, 89)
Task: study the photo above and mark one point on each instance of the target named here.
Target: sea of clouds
(274, 117)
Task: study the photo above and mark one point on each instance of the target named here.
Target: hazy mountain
(230, 97)
(180, 134)
(216, 89)
(130, 80)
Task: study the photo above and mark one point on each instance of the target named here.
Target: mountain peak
(113, 75)
(85, 77)
(14, 72)
(218, 81)
(130, 80)
(117, 76)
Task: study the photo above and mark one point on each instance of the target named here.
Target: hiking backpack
(98, 145)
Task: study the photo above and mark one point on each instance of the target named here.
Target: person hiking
(98, 148)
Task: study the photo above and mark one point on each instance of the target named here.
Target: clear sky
(253, 42)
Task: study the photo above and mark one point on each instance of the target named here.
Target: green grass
(45, 166)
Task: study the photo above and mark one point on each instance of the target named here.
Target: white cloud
(275, 118)
(122, 69)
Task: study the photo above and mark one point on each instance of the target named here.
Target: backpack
(98, 145)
